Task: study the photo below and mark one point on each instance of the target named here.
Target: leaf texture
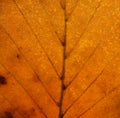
(59, 59)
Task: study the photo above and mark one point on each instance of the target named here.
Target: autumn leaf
(59, 59)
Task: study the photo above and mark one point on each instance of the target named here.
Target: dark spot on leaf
(64, 87)
(2, 80)
(18, 56)
(66, 19)
(33, 110)
(8, 115)
(63, 43)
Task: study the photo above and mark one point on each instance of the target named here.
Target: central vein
(64, 64)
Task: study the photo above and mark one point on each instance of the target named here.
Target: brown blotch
(8, 114)
(2, 80)
(18, 56)
(63, 43)
(33, 110)
(63, 87)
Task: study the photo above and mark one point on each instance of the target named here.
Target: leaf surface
(59, 58)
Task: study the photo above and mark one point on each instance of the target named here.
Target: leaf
(59, 58)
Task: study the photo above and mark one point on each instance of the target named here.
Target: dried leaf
(59, 58)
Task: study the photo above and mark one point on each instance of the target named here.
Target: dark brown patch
(2, 80)
(8, 114)
(64, 87)
(63, 43)
(18, 56)
(32, 110)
